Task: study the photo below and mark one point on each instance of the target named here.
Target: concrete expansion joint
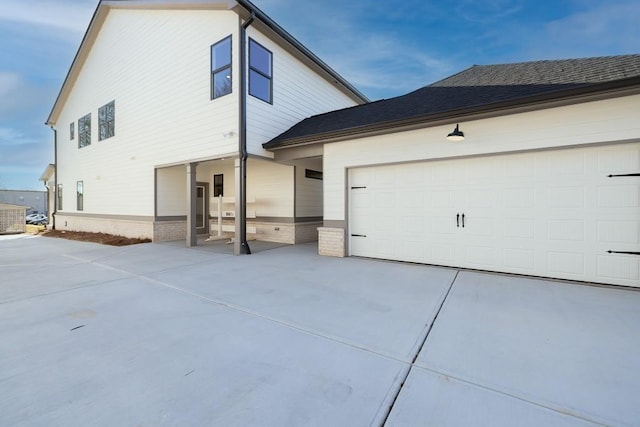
(547, 406)
(418, 351)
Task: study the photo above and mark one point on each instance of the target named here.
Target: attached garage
(543, 179)
(553, 213)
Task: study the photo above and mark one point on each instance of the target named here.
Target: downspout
(55, 179)
(242, 140)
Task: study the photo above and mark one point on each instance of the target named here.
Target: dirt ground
(105, 239)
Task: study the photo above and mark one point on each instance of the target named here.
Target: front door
(202, 208)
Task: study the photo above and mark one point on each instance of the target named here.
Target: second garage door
(549, 213)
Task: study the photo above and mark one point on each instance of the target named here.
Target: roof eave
(270, 23)
(613, 89)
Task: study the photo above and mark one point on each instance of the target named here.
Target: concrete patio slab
(571, 348)
(132, 352)
(165, 335)
(382, 307)
(431, 399)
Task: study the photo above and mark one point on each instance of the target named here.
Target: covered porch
(196, 202)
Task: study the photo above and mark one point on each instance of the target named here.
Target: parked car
(38, 219)
(31, 217)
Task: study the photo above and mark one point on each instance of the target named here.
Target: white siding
(308, 190)
(298, 93)
(589, 123)
(172, 197)
(155, 64)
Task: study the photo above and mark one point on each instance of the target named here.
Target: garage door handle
(457, 220)
(623, 174)
(624, 252)
(358, 235)
(462, 220)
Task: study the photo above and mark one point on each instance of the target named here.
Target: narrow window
(59, 207)
(308, 173)
(72, 129)
(84, 131)
(221, 68)
(107, 121)
(260, 72)
(80, 198)
(218, 185)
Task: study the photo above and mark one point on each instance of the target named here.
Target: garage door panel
(521, 228)
(566, 262)
(521, 260)
(479, 256)
(567, 197)
(552, 214)
(624, 267)
(567, 164)
(620, 196)
(619, 161)
(567, 229)
(619, 232)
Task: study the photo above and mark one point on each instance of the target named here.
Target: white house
(541, 178)
(527, 168)
(164, 111)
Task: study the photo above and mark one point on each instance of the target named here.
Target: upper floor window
(221, 68)
(260, 72)
(72, 130)
(107, 121)
(84, 131)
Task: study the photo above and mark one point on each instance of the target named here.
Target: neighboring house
(12, 218)
(34, 201)
(159, 105)
(545, 182)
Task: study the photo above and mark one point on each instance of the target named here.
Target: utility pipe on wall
(241, 245)
(55, 178)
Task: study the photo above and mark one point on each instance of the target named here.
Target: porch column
(192, 233)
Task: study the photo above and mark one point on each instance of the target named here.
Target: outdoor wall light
(456, 135)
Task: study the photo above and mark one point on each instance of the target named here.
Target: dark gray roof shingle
(476, 86)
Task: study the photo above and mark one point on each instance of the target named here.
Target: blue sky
(385, 48)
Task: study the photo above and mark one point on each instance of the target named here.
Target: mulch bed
(102, 238)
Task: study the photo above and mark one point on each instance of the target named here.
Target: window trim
(59, 198)
(256, 70)
(221, 184)
(84, 130)
(221, 69)
(79, 195)
(106, 120)
(313, 174)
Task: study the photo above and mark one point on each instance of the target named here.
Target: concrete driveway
(159, 334)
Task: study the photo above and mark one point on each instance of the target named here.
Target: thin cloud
(488, 11)
(380, 64)
(608, 29)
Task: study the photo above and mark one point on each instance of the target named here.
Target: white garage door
(548, 213)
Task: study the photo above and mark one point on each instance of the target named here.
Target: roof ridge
(539, 61)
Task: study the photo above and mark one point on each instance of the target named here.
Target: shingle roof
(477, 86)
